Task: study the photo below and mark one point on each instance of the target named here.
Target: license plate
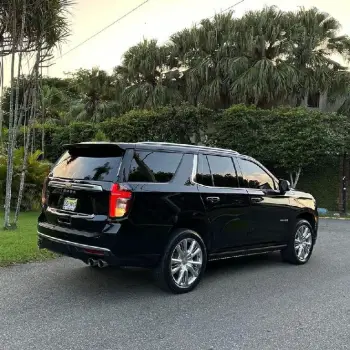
(70, 204)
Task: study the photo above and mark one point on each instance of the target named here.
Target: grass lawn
(20, 245)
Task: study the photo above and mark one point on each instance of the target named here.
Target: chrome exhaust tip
(92, 262)
(101, 264)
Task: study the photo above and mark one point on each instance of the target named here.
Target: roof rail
(185, 146)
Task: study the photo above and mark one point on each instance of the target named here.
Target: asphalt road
(255, 303)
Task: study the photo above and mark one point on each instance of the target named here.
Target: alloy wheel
(186, 262)
(303, 243)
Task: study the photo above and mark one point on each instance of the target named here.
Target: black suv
(170, 207)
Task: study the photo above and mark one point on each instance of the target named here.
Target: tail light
(119, 201)
(44, 192)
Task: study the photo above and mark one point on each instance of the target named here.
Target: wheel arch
(196, 222)
(311, 218)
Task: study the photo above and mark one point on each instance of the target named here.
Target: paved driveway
(256, 303)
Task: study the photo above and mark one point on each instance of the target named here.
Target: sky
(156, 19)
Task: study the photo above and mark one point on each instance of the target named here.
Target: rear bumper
(84, 252)
(74, 244)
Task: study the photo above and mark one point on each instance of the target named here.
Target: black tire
(163, 275)
(289, 254)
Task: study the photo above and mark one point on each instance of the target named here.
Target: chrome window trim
(194, 172)
(195, 165)
(252, 160)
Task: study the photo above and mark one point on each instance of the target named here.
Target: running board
(245, 252)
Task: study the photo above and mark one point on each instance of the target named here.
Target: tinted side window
(149, 166)
(224, 173)
(254, 176)
(203, 176)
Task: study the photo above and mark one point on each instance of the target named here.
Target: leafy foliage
(267, 58)
(289, 138)
(35, 174)
(147, 77)
(184, 123)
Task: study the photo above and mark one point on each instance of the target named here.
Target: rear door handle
(213, 199)
(257, 199)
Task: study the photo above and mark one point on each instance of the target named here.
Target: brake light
(44, 192)
(119, 201)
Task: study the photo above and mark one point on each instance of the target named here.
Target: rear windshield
(83, 166)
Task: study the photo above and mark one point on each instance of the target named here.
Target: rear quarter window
(151, 166)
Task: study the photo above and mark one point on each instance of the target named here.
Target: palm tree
(50, 101)
(230, 60)
(203, 53)
(147, 76)
(30, 26)
(98, 99)
(260, 72)
(316, 41)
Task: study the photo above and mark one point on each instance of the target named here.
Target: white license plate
(70, 204)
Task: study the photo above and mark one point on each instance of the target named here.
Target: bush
(289, 138)
(171, 124)
(284, 139)
(183, 124)
(35, 175)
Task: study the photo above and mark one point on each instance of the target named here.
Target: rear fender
(197, 222)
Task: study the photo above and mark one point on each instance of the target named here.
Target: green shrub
(290, 138)
(35, 174)
(285, 139)
(170, 124)
(183, 124)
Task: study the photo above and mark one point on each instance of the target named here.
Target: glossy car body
(232, 221)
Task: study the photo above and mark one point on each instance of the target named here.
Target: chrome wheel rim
(186, 262)
(303, 242)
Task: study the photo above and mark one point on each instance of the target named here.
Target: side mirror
(284, 186)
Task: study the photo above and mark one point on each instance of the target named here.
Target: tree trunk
(294, 178)
(23, 173)
(26, 143)
(1, 97)
(33, 141)
(323, 101)
(22, 113)
(9, 170)
(31, 121)
(13, 119)
(43, 108)
(43, 140)
(305, 102)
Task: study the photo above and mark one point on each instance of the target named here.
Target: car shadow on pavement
(132, 281)
(258, 260)
(241, 264)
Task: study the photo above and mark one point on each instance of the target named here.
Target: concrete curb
(332, 218)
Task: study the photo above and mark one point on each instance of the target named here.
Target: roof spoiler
(94, 147)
